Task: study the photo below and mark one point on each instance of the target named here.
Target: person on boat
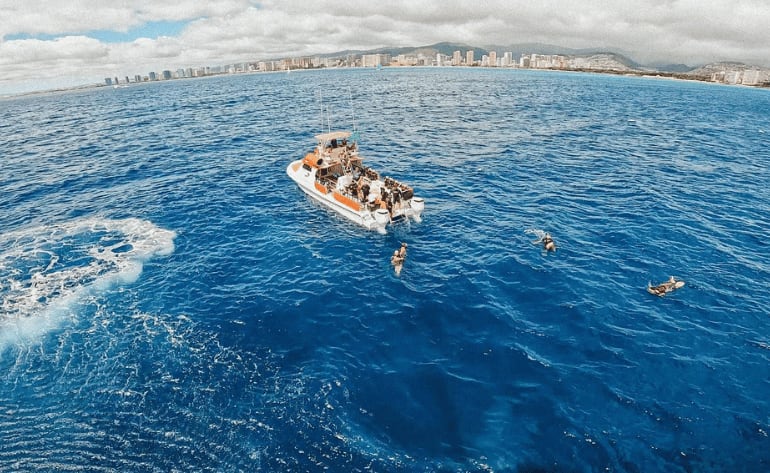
(666, 287)
(384, 198)
(373, 201)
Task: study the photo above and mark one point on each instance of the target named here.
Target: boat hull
(348, 207)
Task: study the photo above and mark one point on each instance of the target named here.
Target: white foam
(47, 273)
(540, 234)
(535, 231)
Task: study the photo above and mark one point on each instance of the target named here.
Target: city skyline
(44, 46)
(726, 73)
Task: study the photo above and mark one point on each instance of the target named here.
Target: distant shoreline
(631, 72)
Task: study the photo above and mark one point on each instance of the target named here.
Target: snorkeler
(548, 243)
(545, 239)
(664, 288)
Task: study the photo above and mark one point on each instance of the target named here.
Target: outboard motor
(417, 204)
(382, 217)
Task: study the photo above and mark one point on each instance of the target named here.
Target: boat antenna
(328, 113)
(352, 109)
(321, 107)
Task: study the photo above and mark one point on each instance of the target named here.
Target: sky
(47, 44)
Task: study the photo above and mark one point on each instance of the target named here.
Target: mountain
(720, 67)
(674, 68)
(587, 58)
(445, 48)
(537, 48)
(732, 73)
(611, 60)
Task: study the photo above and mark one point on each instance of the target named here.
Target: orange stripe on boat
(347, 201)
(321, 188)
(311, 159)
(295, 166)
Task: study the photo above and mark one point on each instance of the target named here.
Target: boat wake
(47, 272)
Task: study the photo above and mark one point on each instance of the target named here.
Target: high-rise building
(375, 60)
(457, 58)
(492, 59)
(443, 60)
(755, 77)
(404, 60)
(469, 58)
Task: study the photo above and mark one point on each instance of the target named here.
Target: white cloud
(71, 52)
(63, 17)
(223, 31)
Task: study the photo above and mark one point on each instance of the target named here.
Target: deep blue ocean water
(172, 302)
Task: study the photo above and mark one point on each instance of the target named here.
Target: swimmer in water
(546, 240)
(397, 260)
(548, 243)
(666, 287)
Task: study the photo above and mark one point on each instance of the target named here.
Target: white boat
(334, 175)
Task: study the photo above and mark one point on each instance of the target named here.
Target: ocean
(171, 301)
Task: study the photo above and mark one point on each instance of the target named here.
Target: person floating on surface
(545, 239)
(664, 288)
(548, 243)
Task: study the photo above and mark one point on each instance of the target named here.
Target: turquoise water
(171, 301)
